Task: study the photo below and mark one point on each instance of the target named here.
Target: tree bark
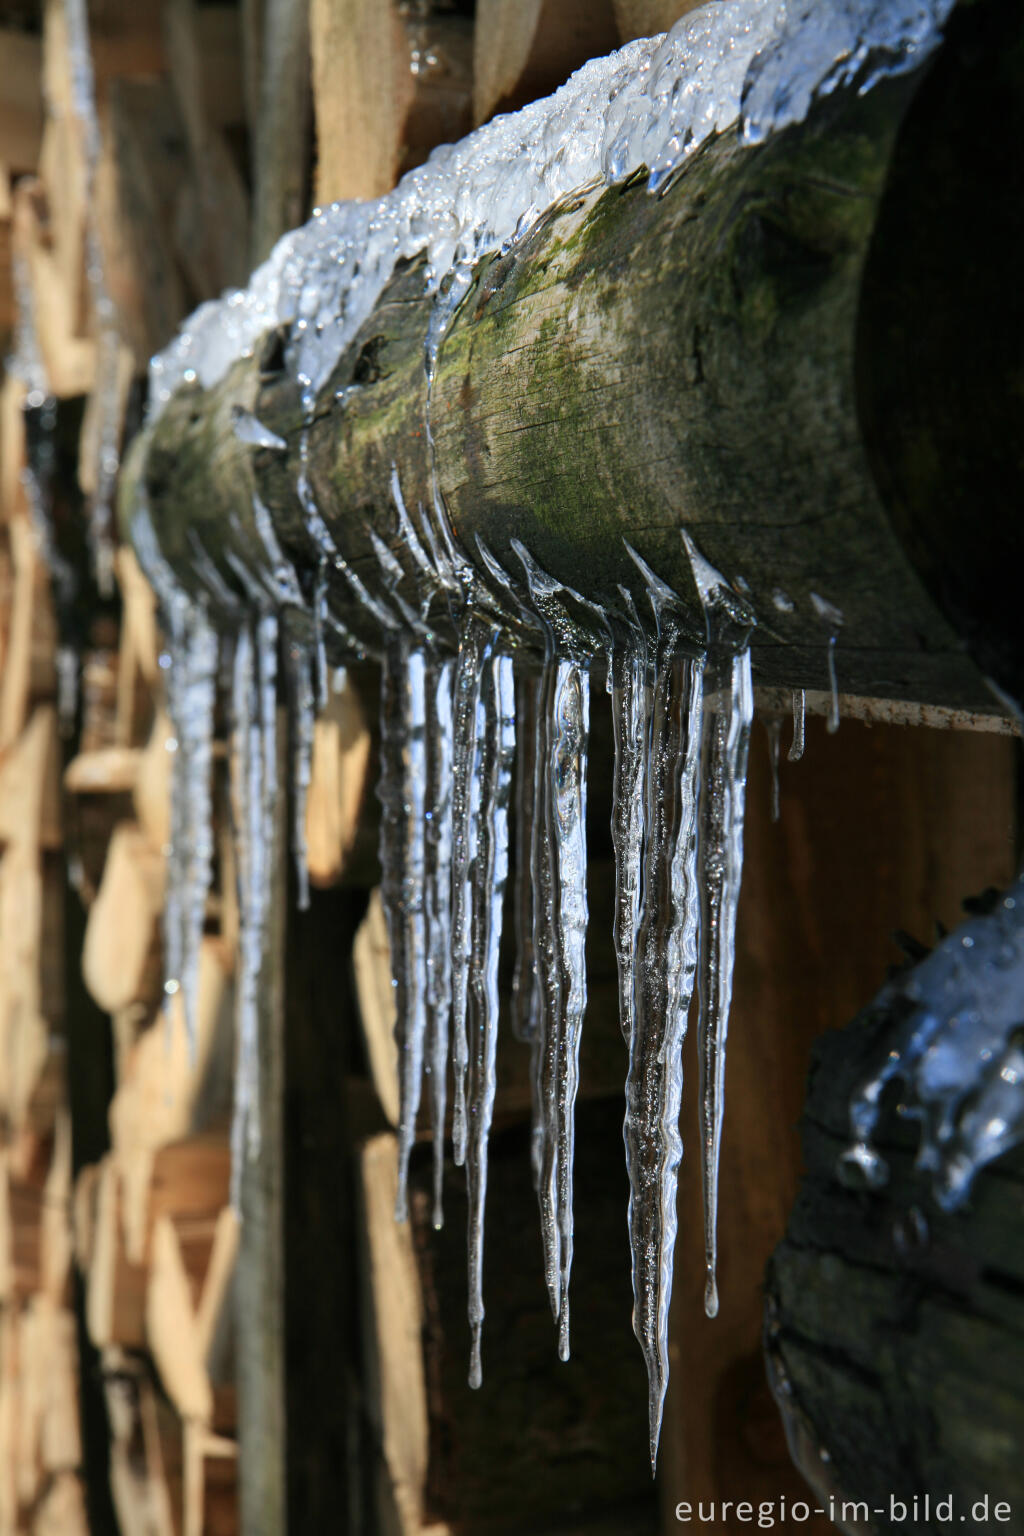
(705, 359)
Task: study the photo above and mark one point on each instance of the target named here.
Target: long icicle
(474, 642)
(547, 947)
(568, 784)
(525, 980)
(401, 791)
(438, 899)
(246, 762)
(490, 873)
(666, 962)
(195, 699)
(628, 685)
(253, 760)
(302, 701)
(728, 711)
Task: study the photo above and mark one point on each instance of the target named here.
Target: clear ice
(254, 788)
(652, 103)
(497, 738)
(403, 835)
(955, 1047)
(729, 710)
(438, 899)
(665, 966)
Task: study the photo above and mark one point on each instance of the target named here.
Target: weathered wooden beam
(714, 358)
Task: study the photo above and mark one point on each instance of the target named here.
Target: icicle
(253, 762)
(195, 698)
(303, 713)
(831, 616)
(490, 872)
(729, 708)
(402, 791)
(248, 429)
(774, 729)
(628, 684)
(246, 760)
(560, 912)
(568, 781)
(666, 961)
(796, 750)
(319, 648)
(525, 982)
(438, 899)
(661, 959)
(475, 640)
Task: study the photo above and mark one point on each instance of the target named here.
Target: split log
(702, 359)
(121, 960)
(643, 18)
(280, 128)
(138, 1476)
(337, 784)
(29, 794)
(21, 110)
(522, 51)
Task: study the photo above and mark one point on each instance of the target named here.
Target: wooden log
(362, 88)
(753, 259)
(522, 51)
(21, 110)
(389, 83)
(62, 1511)
(138, 1476)
(337, 785)
(280, 129)
(643, 18)
(28, 662)
(121, 960)
(68, 356)
(161, 1086)
(29, 793)
(892, 1328)
(24, 1032)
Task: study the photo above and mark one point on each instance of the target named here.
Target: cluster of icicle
(464, 734)
(470, 731)
(958, 1052)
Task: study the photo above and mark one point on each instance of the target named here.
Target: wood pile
(179, 90)
(122, 1241)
